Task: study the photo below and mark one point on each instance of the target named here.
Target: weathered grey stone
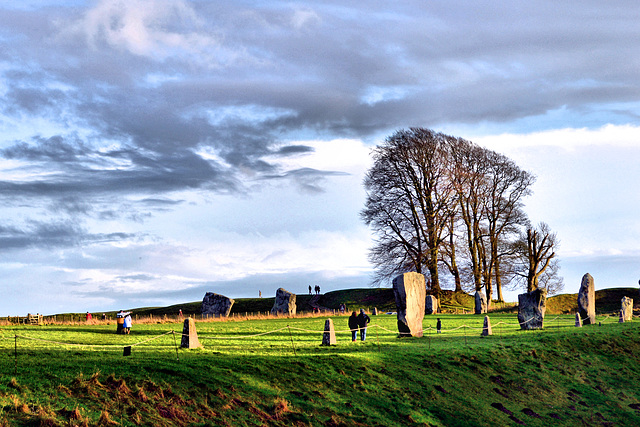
(329, 335)
(285, 303)
(431, 305)
(216, 305)
(481, 303)
(627, 309)
(578, 321)
(486, 327)
(531, 309)
(189, 334)
(374, 312)
(409, 291)
(587, 300)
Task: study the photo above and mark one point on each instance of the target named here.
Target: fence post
(291, 336)
(16, 355)
(176, 344)
(464, 328)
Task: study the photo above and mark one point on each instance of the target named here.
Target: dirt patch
(500, 407)
(530, 413)
(497, 379)
(441, 389)
(516, 420)
(501, 393)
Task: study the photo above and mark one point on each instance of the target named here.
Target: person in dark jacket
(363, 321)
(353, 325)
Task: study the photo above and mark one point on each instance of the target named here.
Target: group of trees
(436, 201)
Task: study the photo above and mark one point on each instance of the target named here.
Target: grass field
(275, 372)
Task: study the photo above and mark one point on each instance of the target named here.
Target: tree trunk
(454, 265)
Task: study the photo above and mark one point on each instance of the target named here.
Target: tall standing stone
(216, 305)
(481, 303)
(431, 305)
(285, 303)
(329, 335)
(374, 312)
(587, 300)
(486, 327)
(531, 309)
(189, 335)
(627, 309)
(410, 291)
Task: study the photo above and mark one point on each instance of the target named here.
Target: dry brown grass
(281, 407)
(105, 419)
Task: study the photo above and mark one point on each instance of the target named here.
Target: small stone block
(627, 309)
(486, 327)
(190, 335)
(329, 335)
(431, 305)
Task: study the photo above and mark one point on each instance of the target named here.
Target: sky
(155, 150)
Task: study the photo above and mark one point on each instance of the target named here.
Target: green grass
(565, 375)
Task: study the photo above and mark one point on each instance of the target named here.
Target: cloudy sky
(153, 150)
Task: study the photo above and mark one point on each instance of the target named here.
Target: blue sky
(151, 151)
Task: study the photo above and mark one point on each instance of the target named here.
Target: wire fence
(297, 338)
(303, 336)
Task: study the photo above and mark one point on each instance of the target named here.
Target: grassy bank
(607, 302)
(274, 372)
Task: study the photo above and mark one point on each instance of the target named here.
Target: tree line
(450, 209)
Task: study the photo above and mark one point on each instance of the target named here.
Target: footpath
(315, 305)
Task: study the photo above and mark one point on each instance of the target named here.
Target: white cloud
(303, 18)
(157, 28)
(344, 155)
(567, 138)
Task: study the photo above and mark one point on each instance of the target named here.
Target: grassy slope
(566, 376)
(607, 301)
(354, 299)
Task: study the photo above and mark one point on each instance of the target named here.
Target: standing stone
(578, 321)
(329, 336)
(285, 303)
(374, 312)
(531, 309)
(486, 327)
(481, 303)
(410, 291)
(189, 335)
(431, 305)
(216, 305)
(587, 300)
(627, 309)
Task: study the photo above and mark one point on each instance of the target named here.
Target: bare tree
(408, 203)
(506, 185)
(538, 263)
(490, 188)
(434, 199)
(467, 175)
(450, 254)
